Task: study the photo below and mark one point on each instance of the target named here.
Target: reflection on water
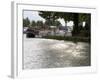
(48, 53)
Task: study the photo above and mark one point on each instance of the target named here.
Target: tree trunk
(75, 28)
(66, 27)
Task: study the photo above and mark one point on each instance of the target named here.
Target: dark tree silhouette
(75, 31)
(39, 24)
(33, 23)
(26, 22)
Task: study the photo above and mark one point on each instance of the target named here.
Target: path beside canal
(49, 53)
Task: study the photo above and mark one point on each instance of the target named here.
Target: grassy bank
(74, 39)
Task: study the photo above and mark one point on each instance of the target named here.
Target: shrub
(74, 39)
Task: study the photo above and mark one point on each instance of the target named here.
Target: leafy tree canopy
(33, 23)
(26, 22)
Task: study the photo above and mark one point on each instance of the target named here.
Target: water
(48, 53)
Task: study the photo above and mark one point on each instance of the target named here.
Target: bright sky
(34, 15)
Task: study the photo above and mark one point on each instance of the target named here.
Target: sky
(34, 15)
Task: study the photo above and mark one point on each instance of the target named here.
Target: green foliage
(57, 23)
(48, 22)
(33, 23)
(79, 18)
(74, 39)
(39, 23)
(50, 17)
(26, 22)
(66, 16)
(84, 17)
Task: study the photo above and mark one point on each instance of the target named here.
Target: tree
(79, 18)
(57, 23)
(66, 16)
(75, 31)
(33, 23)
(86, 18)
(26, 22)
(39, 24)
(50, 17)
(48, 23)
